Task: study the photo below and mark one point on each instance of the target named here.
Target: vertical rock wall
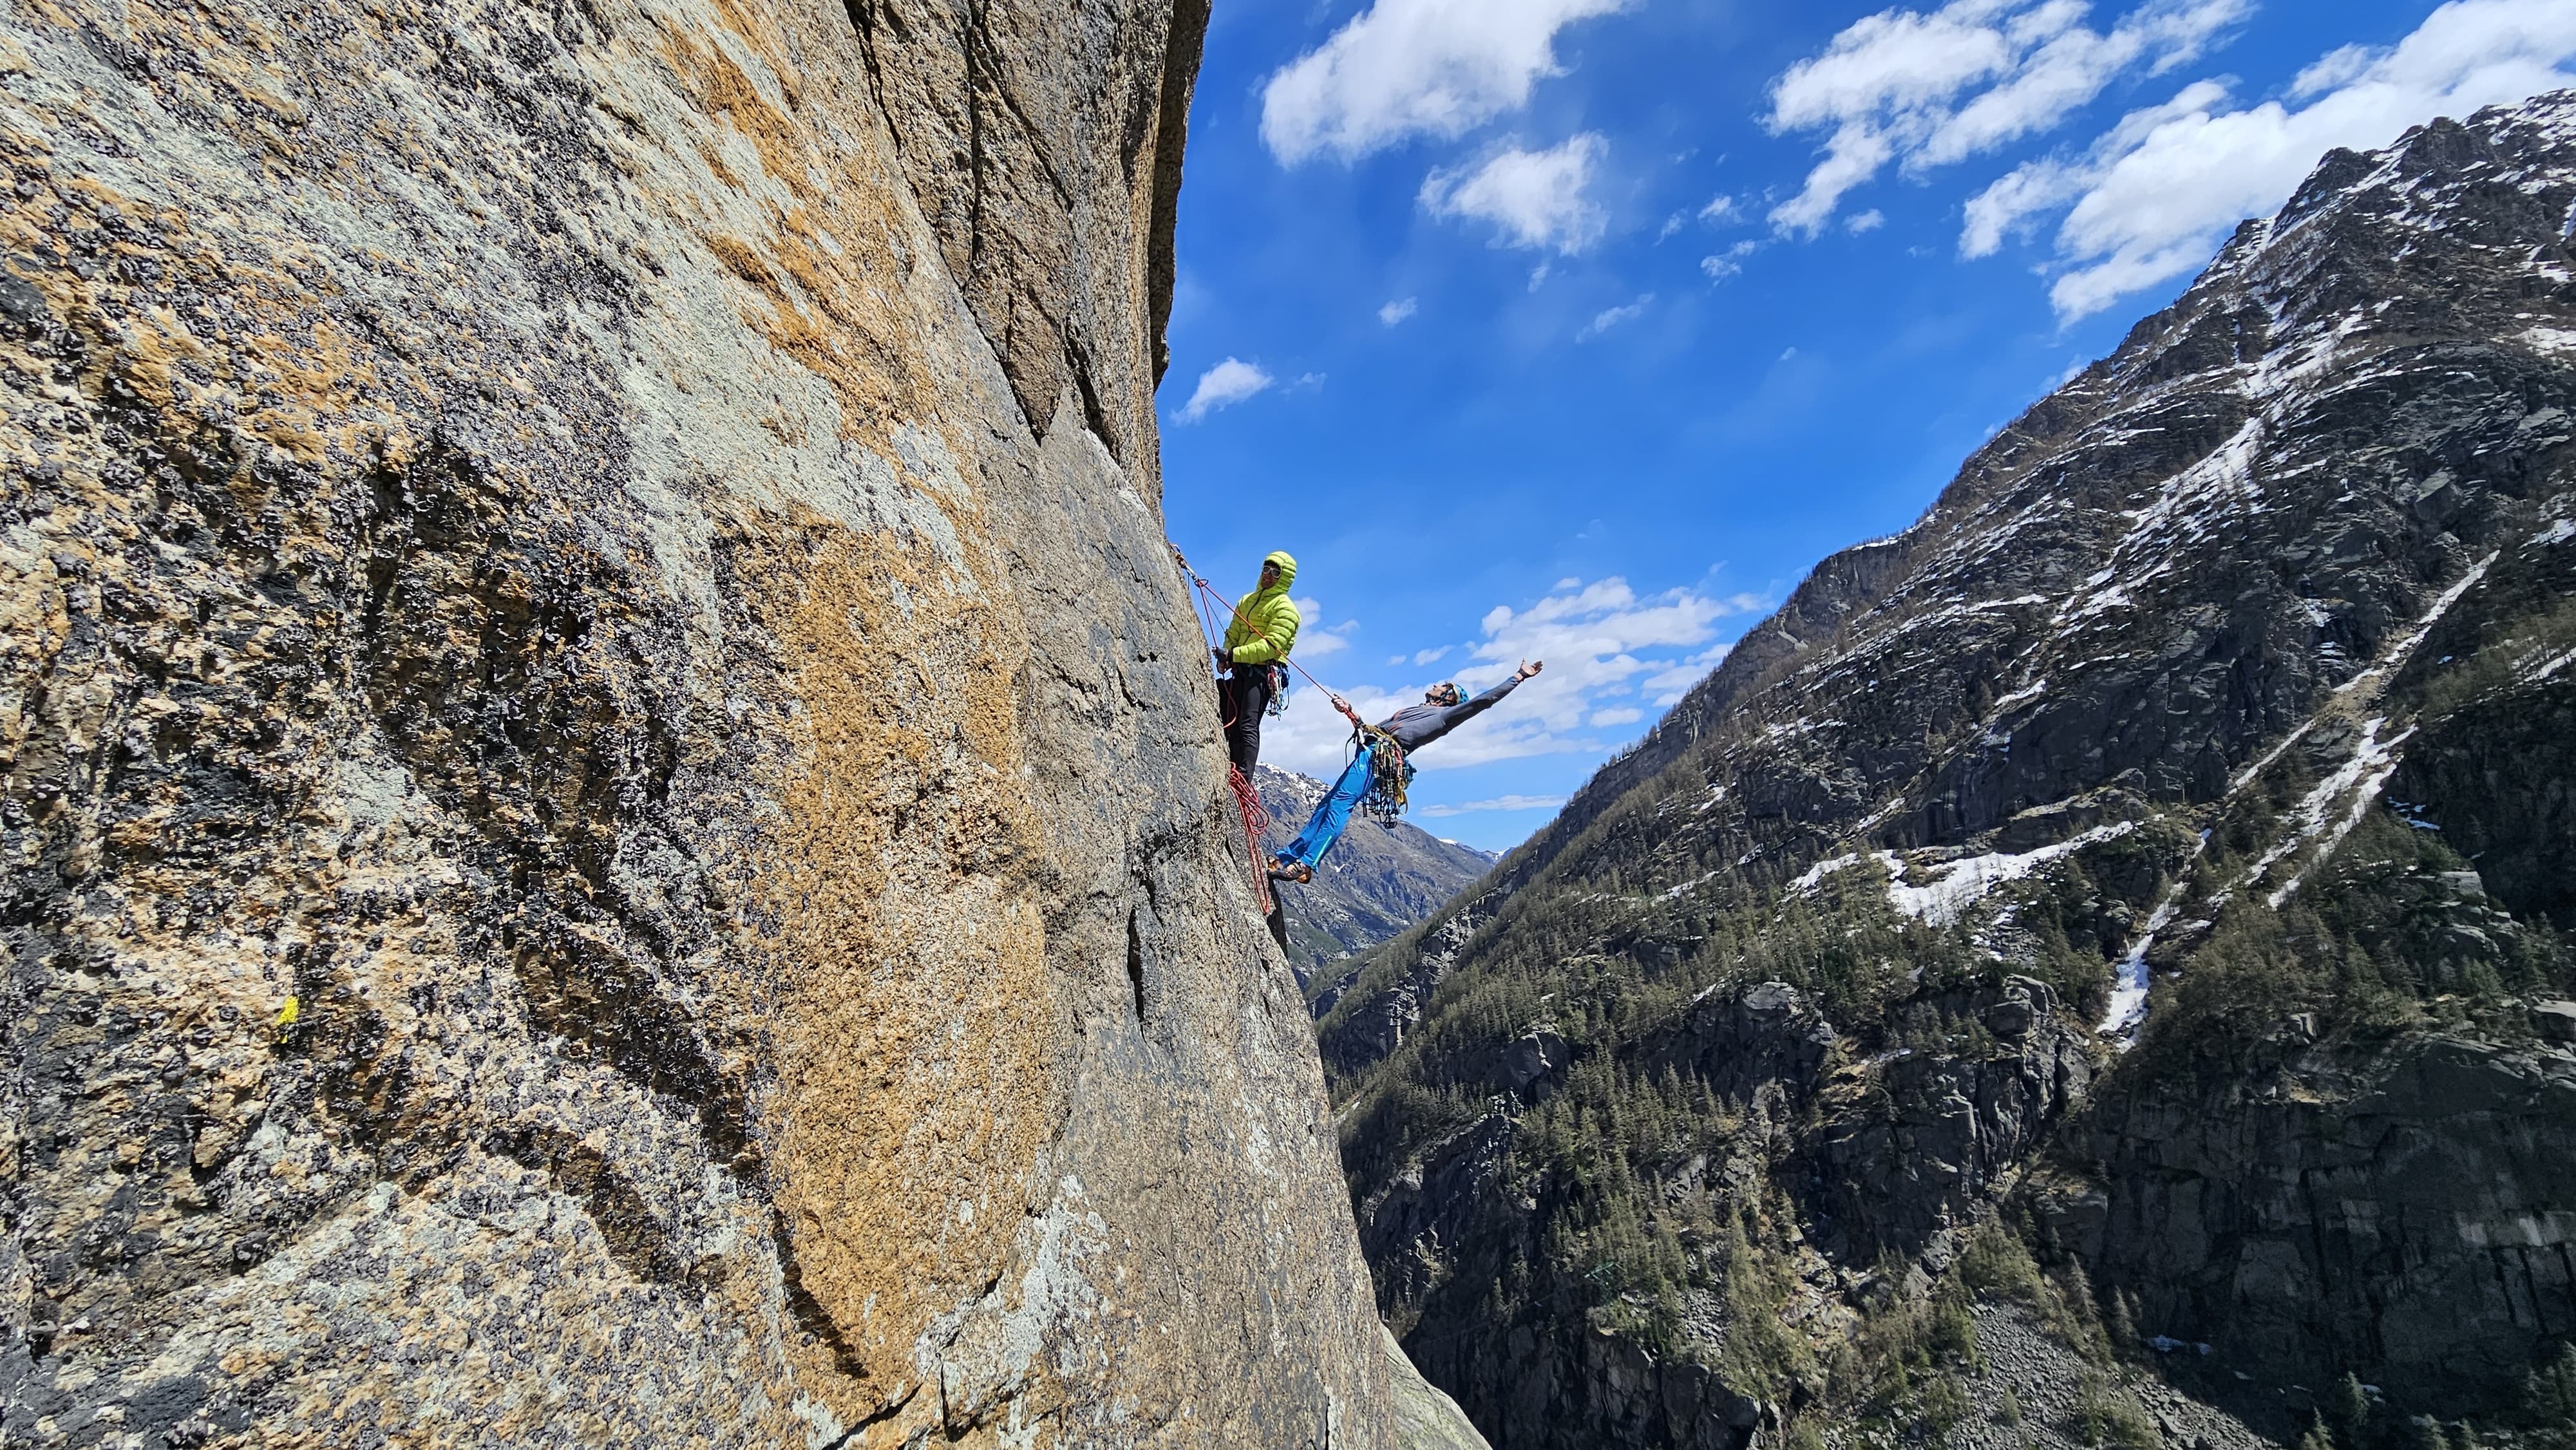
(611, 553)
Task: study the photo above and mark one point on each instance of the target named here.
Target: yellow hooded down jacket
(1265, 623)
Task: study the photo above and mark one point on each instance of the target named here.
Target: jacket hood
(1287, 566)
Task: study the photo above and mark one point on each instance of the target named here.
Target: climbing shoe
(1285, 870)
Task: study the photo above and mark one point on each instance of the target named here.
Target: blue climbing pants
(1333, 812)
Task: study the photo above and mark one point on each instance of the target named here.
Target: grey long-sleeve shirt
(1418, 725)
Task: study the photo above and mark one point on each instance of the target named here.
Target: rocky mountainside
(1378, 880)
(2128, 912)
(614, 830)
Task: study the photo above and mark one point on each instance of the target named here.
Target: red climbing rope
(1256, 824)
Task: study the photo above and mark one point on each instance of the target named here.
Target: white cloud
(1868, 221)
(1597, 639)
(1721, 210)
(2154, 197)
(1625, 715)
(2039, 187)
(1223, 386)
(1315, 643)
(1600, 640)
(1729, 262)
(1610, 317)
(1398, 310)
(1415, 67)
(1931, 89)
(1536, 198)
(1498, 803)
(1424, 657)
(1667, 686)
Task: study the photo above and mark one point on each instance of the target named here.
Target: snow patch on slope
(1960, 884)
(2328, 813)
(2405, 649)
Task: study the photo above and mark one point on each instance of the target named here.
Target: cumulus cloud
(1398, 310)
(2154, 197)
(1600, 640)
(1407, 68)
(1536, 198)
(1729, 262)
(1314, 643)
(1610, 317)
(1223, 386)
(1498, 803)
(1625, 715)
(1427, 657)
(1931, 89)
(1667, 686)
(1868, 221)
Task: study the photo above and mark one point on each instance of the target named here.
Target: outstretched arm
(1434, 724)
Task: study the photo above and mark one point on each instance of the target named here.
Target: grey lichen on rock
(546, 538)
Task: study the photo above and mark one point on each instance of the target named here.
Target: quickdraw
(1390, 774)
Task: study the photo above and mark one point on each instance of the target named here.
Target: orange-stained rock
(612, 552)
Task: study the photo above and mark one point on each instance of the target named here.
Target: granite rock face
(2413, 1210)
(614, 830)
(2166, 840)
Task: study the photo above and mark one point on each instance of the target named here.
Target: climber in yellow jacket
(1254, 658)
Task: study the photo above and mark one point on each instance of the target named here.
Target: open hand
(1529, 668)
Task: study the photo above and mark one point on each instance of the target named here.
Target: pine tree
(2316, 1438)
(2348, 1410)
(2549, 1400)
(2122, 1324)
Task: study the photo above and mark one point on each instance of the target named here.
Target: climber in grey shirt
(1441, 711)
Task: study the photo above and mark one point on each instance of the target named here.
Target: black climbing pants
(1242, 698)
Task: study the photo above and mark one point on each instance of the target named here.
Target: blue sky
(1581, 330)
